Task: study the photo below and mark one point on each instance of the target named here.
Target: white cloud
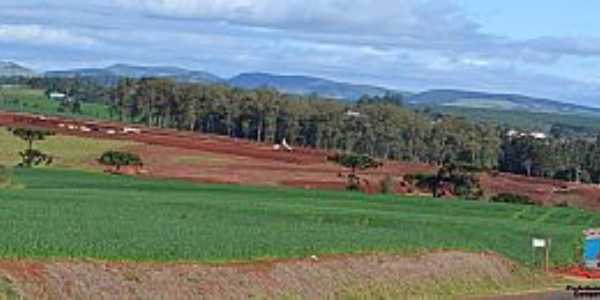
(382, 17)
(37, 34)
(409, 44)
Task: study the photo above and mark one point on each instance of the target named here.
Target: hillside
(305, 85)
(302, 85)
(10, 69)
(117, 71)
(442, 99)
(512, 102)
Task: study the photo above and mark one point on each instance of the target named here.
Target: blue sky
(541, 48)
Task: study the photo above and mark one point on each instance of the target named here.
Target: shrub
(452, 180)
(421, 180)
(34, 157)
(119, 159)
(466, 185)
(512, 198)
(355, 162)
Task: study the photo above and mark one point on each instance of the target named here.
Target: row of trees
(379, 127)
(571, 159)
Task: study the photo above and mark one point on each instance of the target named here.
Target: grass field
(85, 215)
(35, 101)
(68, 152)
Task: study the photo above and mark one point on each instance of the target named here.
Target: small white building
(352, 113)
(538, 135)
(57, 96)
(534, 134)
(512, 133)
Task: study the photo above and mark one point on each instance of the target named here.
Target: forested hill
(10, 69)
(112, 74)
(293, 84)
(480, 100)
(304, 85)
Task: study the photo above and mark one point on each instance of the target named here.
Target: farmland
(72, 214)
(62, 225)
(20, 99)
(68, 152)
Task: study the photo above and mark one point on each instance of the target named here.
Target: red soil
(544, 191)
(164, 137)
(216, 159)
(579, 272)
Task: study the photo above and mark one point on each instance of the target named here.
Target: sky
(543, 48)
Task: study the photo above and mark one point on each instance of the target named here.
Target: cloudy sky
(547, 48)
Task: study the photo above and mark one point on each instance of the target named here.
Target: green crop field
(68, 152)
(57, 213)
(20, 99)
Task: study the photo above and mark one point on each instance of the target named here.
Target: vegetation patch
(512, 198)
(67, 151)
(123, 218)
(118, 159)
(23, 99)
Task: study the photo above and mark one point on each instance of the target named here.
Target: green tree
(355, 162)
(31, 157)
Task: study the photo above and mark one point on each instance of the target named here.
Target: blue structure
(592, 248)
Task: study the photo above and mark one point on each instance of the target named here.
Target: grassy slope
(75, 214)
(68, 152)
(35, 101)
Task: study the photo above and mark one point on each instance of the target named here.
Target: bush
(421, 180)
(355, 162)
(512, 198)
(573, 174)
(466, 185)
(458, 183)
(119, 159)
(33, 157)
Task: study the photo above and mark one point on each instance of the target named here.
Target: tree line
(376, 126)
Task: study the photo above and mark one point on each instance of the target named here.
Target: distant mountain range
(306, 85)
(10, 69)
(122, 70)
(481, 100)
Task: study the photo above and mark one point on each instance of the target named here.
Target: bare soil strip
(443, 273)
